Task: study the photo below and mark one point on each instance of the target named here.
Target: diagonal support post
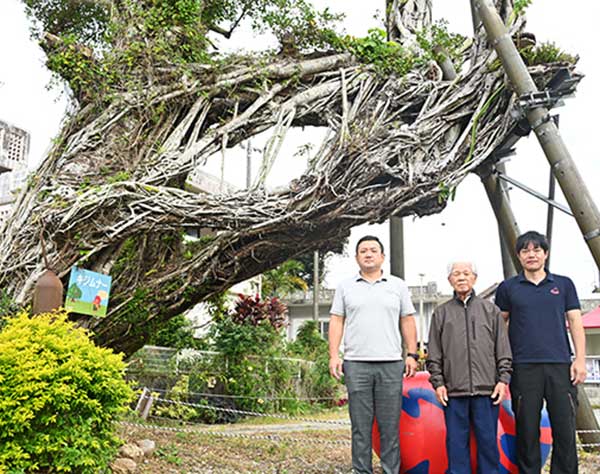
(507, 223)
(561, 162)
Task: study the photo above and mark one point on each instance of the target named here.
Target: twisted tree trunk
(112, 195)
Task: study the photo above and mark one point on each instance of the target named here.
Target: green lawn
(84, 307)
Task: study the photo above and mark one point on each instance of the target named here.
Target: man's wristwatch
(413, 355)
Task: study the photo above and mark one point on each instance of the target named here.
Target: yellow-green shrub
(59, 397)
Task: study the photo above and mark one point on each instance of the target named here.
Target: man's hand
(335, 367)
(578, 371)
(499, 393)
(442, 395)
(410, 367)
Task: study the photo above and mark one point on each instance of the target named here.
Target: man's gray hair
(467, 261)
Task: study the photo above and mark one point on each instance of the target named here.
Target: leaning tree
(154, 98)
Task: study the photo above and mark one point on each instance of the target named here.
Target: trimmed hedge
(59, 397)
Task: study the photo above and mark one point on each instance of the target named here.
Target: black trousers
(529, 386)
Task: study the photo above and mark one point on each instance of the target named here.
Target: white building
(300, 306)
(14, 152)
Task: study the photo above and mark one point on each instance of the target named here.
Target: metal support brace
(592, 235)
(535, 193)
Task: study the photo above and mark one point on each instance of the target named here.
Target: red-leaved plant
(252, 310)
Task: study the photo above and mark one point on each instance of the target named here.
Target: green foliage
(309, 343)
(295, 22)
(252, 325)
(446, 192)
(249, 369)
(253, 328)
(438, 36)
(76, 65)
(546, 53)
(99, 47)
(284, 279)
(177, 333)
(390, 57)
(8, 307)
(178, 393)
(80, 19)
(126, 257)
(318, 383)
(60, 396)
(386, 56)
(170, 454)
(119, 177)
(519, 6)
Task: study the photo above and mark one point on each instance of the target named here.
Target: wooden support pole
(507, 223)
(563, 166)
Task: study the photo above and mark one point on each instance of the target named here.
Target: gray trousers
(374, 392)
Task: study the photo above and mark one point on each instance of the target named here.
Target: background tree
(153, 100)
(74, 292)
(283, 280)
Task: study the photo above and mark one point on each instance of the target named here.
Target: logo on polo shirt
(555, 291)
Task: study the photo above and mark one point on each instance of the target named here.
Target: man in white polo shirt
(374, 313)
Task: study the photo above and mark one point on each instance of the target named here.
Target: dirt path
(281, 448)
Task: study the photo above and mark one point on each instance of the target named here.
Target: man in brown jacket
(469, 363)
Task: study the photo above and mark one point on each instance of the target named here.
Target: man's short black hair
(532, 237)
(369, 238)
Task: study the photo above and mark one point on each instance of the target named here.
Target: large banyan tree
(153, 99)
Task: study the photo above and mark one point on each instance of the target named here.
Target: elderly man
(470, 365)
(374, 314)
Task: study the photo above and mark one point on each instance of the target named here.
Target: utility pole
(397, 247)
(316, 285)
(248, 186)
(421, 314)
(561, 163)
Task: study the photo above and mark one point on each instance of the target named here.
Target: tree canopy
(154, 99)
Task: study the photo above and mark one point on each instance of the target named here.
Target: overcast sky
(466, 228)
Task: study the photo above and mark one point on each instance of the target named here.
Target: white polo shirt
(372, 313)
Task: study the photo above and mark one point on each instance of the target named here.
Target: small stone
(147, 446)
(131, 451)
(123, 466)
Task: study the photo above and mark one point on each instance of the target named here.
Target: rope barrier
(269, 437)
(245, 397)
(252, 413)
(225, 434)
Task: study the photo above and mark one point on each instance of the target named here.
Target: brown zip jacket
(468, 348)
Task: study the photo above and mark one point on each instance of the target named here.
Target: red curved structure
(423, 432)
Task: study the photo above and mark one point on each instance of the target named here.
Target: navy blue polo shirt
(537, 329)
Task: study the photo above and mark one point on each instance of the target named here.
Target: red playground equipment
(423, 432)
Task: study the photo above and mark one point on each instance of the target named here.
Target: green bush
(310, 345)
(59, 397)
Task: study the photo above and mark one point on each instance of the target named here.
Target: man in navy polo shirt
(535, 303)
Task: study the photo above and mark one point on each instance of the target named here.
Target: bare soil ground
(292, 449)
